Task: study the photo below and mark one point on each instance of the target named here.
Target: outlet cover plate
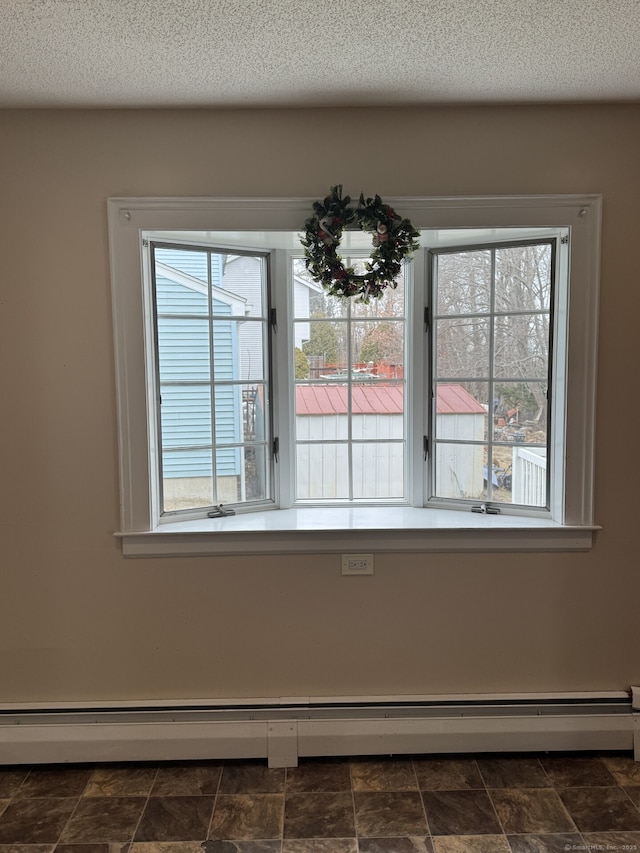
(357, 564)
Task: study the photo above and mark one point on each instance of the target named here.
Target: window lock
(486, 509)
(220, 512)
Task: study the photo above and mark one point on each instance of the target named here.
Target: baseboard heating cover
(285, 730)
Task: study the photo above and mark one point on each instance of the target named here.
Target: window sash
(487, 316)
(210, 471)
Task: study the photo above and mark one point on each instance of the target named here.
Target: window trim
(334, 529)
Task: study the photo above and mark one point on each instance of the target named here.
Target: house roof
(192, 53)
(377, 399)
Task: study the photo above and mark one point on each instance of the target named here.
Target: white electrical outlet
(357, 564)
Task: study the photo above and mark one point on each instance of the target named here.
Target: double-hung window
(257, 413)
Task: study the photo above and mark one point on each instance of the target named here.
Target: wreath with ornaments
(394, 239)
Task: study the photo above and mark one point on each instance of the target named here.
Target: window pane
(321, 412)
(377, 349)
(520, 412)
(191, 263)
(378, 470)
(228, 418)
(523, 278)
(462, 411)
(459, 471)
(256, 485)
(463, 282)
(183, 349)
(521, 346)
(186, 416)
(377, 411)
(462, 347)
(309, 299)
(255, 412)
(326, 349)
(390, 304)
(187, 479)
(322, 471)
(238, 285)
(250, 344)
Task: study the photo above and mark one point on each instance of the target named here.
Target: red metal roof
(377, 399)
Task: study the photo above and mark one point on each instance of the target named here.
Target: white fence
(529, 467)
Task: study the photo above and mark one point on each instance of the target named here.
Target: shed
(377, 410)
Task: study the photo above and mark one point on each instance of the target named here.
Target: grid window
(212, 380)
(492, 336)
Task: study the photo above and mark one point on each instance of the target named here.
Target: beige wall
(77, 621)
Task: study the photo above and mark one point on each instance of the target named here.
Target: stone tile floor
(459, 804)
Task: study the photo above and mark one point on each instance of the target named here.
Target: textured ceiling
(211, 53)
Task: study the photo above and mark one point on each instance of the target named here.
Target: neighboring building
(377, 414)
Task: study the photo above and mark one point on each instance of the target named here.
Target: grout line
(215, 800)
(144, 808)
(75, 808)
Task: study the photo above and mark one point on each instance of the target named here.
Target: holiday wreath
(394, 239)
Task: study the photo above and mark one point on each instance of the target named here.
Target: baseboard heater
(285, 730)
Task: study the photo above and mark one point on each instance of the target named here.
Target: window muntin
(491, 363)
(350, 401)
(211, 368)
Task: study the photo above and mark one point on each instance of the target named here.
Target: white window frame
(337, 529)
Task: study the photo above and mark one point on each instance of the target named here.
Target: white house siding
(322, 470)
(459, 467)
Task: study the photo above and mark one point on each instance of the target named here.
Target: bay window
(257, 413)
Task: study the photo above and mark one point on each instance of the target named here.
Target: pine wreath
(394, 239)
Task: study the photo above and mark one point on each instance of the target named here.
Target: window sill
(334, 530)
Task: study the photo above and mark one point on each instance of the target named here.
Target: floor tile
(413, 844)
(55, 782)
(556, 843)
(634, 795)
(319, 816)
(513, 773)
(531, 810)
(460, 813)
(175, 819)
(35, 821)
(447, 774)
(320, 845)
(612, 841)
(577, 772)
(389, 813)
(11, 779)
(251, 778)
(383, 776)
(471, 844)
(121, 781)
(27, 848)
(312, 776)
(183, 780)
(245, 817)
(104, 819)
(601, 810)
(237, 847)
(625, 770)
